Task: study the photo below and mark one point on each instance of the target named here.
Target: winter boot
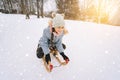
(48, 61)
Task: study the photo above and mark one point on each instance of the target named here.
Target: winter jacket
(45, 43)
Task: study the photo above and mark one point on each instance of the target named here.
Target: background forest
(100, 11)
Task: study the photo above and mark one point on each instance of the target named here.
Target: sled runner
(49, 67)
(55, 54)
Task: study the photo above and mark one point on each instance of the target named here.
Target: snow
(93, 50)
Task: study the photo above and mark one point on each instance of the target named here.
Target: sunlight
(102, 5)
(107, 6)
(92, 10)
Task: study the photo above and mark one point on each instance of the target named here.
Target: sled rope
(57, 66)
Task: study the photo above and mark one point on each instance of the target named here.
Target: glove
(64, 57)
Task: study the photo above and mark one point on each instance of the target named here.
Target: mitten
(64, 57)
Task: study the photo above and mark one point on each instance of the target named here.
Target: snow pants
(40, 53)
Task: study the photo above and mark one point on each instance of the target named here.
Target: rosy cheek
(58, 31)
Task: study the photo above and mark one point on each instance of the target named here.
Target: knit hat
(58, 20)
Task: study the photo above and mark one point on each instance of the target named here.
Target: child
(56, 31)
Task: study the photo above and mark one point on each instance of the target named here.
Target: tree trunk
(42, 15)
(22, 7)
(4, 4)
(27, 9)
(38, 7)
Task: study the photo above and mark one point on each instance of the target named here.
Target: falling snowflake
(106, 52)
(21, 74)
(27, 37)
(26, 55)
(113, 62)
(1, 73)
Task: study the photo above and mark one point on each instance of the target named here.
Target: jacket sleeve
(44, 42)
(59, 45)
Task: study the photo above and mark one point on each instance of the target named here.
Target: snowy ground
(93, 49)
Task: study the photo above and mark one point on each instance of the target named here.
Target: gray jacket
(44, 41)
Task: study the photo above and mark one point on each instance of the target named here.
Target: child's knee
(40, 52)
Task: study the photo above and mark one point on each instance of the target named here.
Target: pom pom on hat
(58, 20)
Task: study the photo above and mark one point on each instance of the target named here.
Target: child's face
(59, 29)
